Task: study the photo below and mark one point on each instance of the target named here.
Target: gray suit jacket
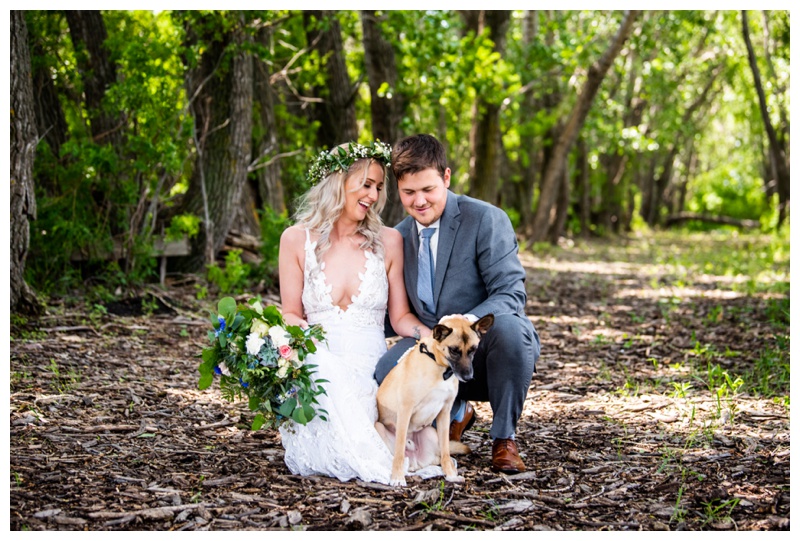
(477, 267)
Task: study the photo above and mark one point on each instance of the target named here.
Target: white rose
(254, 343)
(279, 336)
(283, 370)
(295, 359)
(259, 327)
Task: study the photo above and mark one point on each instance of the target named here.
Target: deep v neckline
(362, 276)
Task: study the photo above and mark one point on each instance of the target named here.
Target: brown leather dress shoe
(457, 428)
(505, 456)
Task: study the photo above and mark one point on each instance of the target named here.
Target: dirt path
(629, 424)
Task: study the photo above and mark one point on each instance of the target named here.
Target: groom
(460, 257)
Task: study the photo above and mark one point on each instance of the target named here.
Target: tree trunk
(558, 228)
(647, 186)
(557, 164)
(722, 220)
(661, 183)
(584, 188)
(336, 114)
(222, 110)
(23, 149)
(776, 148)
(484, 135)
(528, 147)
(50, 119)
(660, 186)
(691, 169)
(98, 72)
(616, 187)
(387, 106)
(537, 149)
(270, 187)
(51, 122)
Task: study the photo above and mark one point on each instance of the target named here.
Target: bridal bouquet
(256, 354)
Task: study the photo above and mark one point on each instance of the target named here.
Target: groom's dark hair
(415, 153)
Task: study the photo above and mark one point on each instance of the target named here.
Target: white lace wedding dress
(346, 446)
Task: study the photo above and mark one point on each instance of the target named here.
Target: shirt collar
(420, 227)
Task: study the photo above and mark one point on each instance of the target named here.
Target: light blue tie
(425, 270)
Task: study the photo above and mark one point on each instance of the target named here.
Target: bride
(340, 267)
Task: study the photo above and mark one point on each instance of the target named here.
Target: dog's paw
(454, 479)
(401, 482)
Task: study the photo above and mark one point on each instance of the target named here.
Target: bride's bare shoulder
(293, 233)
(391, 237)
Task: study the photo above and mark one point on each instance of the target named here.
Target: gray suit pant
(504, 364)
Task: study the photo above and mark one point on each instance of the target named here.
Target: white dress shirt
(434, 238)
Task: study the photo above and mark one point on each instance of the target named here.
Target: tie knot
(428, 232)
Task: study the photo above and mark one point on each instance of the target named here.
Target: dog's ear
(483, 324)
(440, 332)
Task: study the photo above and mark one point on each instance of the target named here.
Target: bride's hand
(291, 319)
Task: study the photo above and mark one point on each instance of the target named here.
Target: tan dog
(420, 389)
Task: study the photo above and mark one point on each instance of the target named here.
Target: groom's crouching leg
(390, 358)
(512, 349)
(511, 354)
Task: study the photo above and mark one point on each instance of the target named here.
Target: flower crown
(341, 158)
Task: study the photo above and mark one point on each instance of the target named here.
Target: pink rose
(285, 351)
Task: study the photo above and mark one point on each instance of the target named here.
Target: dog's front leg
(401, 433)
(443, 431)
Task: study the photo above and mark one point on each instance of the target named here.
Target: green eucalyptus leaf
(205, 381)
(299, 415)
(258, 422)
(227, 307)
(288, 407)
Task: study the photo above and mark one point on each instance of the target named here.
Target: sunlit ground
(681, 339)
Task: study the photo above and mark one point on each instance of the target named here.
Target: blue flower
(221, 327)
(217, 371)
(244, 383)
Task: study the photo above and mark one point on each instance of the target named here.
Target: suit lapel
(448, 227)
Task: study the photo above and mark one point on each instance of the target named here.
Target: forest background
(136, 131)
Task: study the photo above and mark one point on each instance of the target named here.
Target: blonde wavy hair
(323, 204)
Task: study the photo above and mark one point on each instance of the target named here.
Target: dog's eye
(455, 351)
(472, 350)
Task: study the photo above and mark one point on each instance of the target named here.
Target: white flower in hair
(341, 159)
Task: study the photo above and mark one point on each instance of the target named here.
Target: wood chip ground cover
(624, 427)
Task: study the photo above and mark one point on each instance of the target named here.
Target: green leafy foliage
(232, 277)
(92, 196)
(273, 224)
(183, 225)
(88, 195)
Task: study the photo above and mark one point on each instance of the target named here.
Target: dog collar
(425, 351)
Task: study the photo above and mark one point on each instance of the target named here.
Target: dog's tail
(458, 448)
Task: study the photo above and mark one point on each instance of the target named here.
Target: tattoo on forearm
(417, 333)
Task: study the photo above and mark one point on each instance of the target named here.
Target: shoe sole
(508, 472)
